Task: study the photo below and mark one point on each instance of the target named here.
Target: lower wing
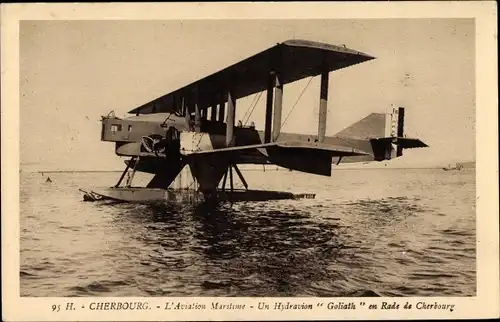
(310, 157)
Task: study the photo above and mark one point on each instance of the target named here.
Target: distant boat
(456, 167)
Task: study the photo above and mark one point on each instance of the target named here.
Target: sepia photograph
(248, 158)
(322, 158)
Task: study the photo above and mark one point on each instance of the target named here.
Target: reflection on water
(418, 243)
(233, 251)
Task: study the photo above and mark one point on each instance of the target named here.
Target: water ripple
(353, 240)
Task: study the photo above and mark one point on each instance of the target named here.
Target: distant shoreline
(465, 165)
(243, 170)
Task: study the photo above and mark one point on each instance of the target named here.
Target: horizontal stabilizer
(405, 143)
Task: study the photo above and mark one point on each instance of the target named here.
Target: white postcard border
(484, 305)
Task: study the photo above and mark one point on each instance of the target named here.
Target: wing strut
(323, 105)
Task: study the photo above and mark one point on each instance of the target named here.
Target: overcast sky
(72, 72)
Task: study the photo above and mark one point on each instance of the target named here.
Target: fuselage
(128, 133)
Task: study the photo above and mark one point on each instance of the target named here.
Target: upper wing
(295, 59)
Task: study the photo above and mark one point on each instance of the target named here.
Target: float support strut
(238, 172)
(124, 172)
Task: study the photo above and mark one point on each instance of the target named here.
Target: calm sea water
(367, 233)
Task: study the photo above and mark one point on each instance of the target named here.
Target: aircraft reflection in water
(194, 128)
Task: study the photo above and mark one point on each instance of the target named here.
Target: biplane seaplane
(195, 127)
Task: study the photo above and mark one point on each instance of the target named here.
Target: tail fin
(377, 125)
(385, 133)
(372, 126)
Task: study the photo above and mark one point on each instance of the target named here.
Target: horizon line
(283, 169)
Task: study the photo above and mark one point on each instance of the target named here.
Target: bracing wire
(257, 101)
(253, 108)
(250, 106)
(297, 101)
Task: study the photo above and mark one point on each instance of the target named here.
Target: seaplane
(194, 128)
